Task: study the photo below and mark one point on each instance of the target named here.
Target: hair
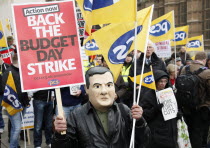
(10, 38)
(130, 55)
(93, 71)
(200, 56)
(171, 68)
(150, 42)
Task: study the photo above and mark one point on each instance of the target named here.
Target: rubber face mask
(101, 91)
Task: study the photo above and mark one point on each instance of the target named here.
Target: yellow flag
(10, 99)
(147, 80)
(162, 28)
(90, 46)
(195, 44)
(3, 42)
(107, 11)
(181, 35)
(116, 40)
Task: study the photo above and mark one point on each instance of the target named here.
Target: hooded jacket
(163, 133)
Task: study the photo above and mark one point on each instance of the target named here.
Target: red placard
(47, 45)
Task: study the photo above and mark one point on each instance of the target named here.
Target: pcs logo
(194, 44)
(1, 34)
(148, 79)
(90, 5)
(160, 28)
(118, 51)
(180, 35)
(53, 82)
(92, 46)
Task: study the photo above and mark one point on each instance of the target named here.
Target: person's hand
(60, 124)
(136, 111)
(77, 93)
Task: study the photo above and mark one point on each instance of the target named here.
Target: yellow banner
(147, 80)
(3, 42)
(116, 40)
(107, 11)
(181, 35)
(195, 44)
(162, 28)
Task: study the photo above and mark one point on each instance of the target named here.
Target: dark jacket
(43, 95)
(120, 88)
(22, 96)
(157, 64)
(163, 133)
(84, 129)
(204, 88)
(70, 100)
(4, 66)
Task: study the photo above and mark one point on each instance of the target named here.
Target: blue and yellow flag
(10, 99)
(181, 36)
(195, 44)
(3, 42)
(162, 28)
(90, 46)
(97, 12)
(147, 80)
(116, 40)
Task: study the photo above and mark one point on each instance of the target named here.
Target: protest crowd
(150, 100)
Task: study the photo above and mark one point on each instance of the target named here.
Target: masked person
(101, 122)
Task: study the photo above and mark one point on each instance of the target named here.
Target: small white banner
(167, 98)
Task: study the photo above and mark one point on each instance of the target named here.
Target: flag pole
(134, 88)
(174, 47)
(145, 49)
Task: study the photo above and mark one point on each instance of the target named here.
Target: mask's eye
(109, 85)
(96, 86)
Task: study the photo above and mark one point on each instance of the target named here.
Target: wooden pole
(59, 105)
(28, 136)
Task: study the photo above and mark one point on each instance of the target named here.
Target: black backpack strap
(187, 69)
(201, 69)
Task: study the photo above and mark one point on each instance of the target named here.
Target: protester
(43, 113)
(23, 99)
(126, 67)
(10, 42)
(183, 55)
(3, 67)
(171, 60)
(101, 122)
(98, 60)
(151, 60)
(163, 133)
(197, 118)
(173, 72)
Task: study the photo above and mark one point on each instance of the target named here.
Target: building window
(161, 11)
(183, 13)
(207, 4)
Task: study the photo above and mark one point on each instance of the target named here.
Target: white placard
(28, 117)
(73, 89)
(163, 49)
(167, 98)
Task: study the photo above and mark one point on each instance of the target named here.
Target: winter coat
(182, 56)
(84, 129)
(4, 66)
(163, 133)
(22, 96)
(204, 88)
